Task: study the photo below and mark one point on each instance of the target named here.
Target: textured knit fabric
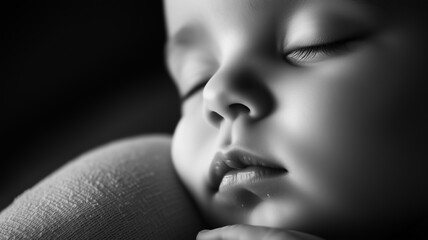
(125, 190)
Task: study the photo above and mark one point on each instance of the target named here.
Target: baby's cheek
(192, 151)
(184, 148)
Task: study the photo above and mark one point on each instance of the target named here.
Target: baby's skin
(302, 119)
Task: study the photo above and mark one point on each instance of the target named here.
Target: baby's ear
(126, 190)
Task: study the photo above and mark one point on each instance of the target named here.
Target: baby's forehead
(238, 12)
(220, 8)
(268, 19)
(255, 19)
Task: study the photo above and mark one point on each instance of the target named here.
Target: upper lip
(234, 159)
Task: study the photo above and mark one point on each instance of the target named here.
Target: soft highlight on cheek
(193, 148)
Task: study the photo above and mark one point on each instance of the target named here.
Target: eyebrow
(182, 37)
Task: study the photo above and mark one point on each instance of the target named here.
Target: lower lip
(247, 176)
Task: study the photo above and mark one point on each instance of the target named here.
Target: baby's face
(305, 115)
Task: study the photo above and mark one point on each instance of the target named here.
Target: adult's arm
(125, 190)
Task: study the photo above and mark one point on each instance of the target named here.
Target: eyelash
(193, 90)
(305, 55)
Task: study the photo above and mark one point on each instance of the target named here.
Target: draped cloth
(124, 190)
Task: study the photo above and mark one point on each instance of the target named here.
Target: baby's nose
(229, 94)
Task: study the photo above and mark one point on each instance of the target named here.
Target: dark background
(76, 75)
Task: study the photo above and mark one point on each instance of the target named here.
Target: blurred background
(76, 75)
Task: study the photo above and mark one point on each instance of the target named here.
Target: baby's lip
(235, 159)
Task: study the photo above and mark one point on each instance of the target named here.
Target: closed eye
(193, 90)
(313, 54)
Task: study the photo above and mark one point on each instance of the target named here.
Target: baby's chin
(271, 203)
(288, 214)
(248, 209)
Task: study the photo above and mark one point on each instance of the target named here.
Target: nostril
(237, 108)
(215, 118)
